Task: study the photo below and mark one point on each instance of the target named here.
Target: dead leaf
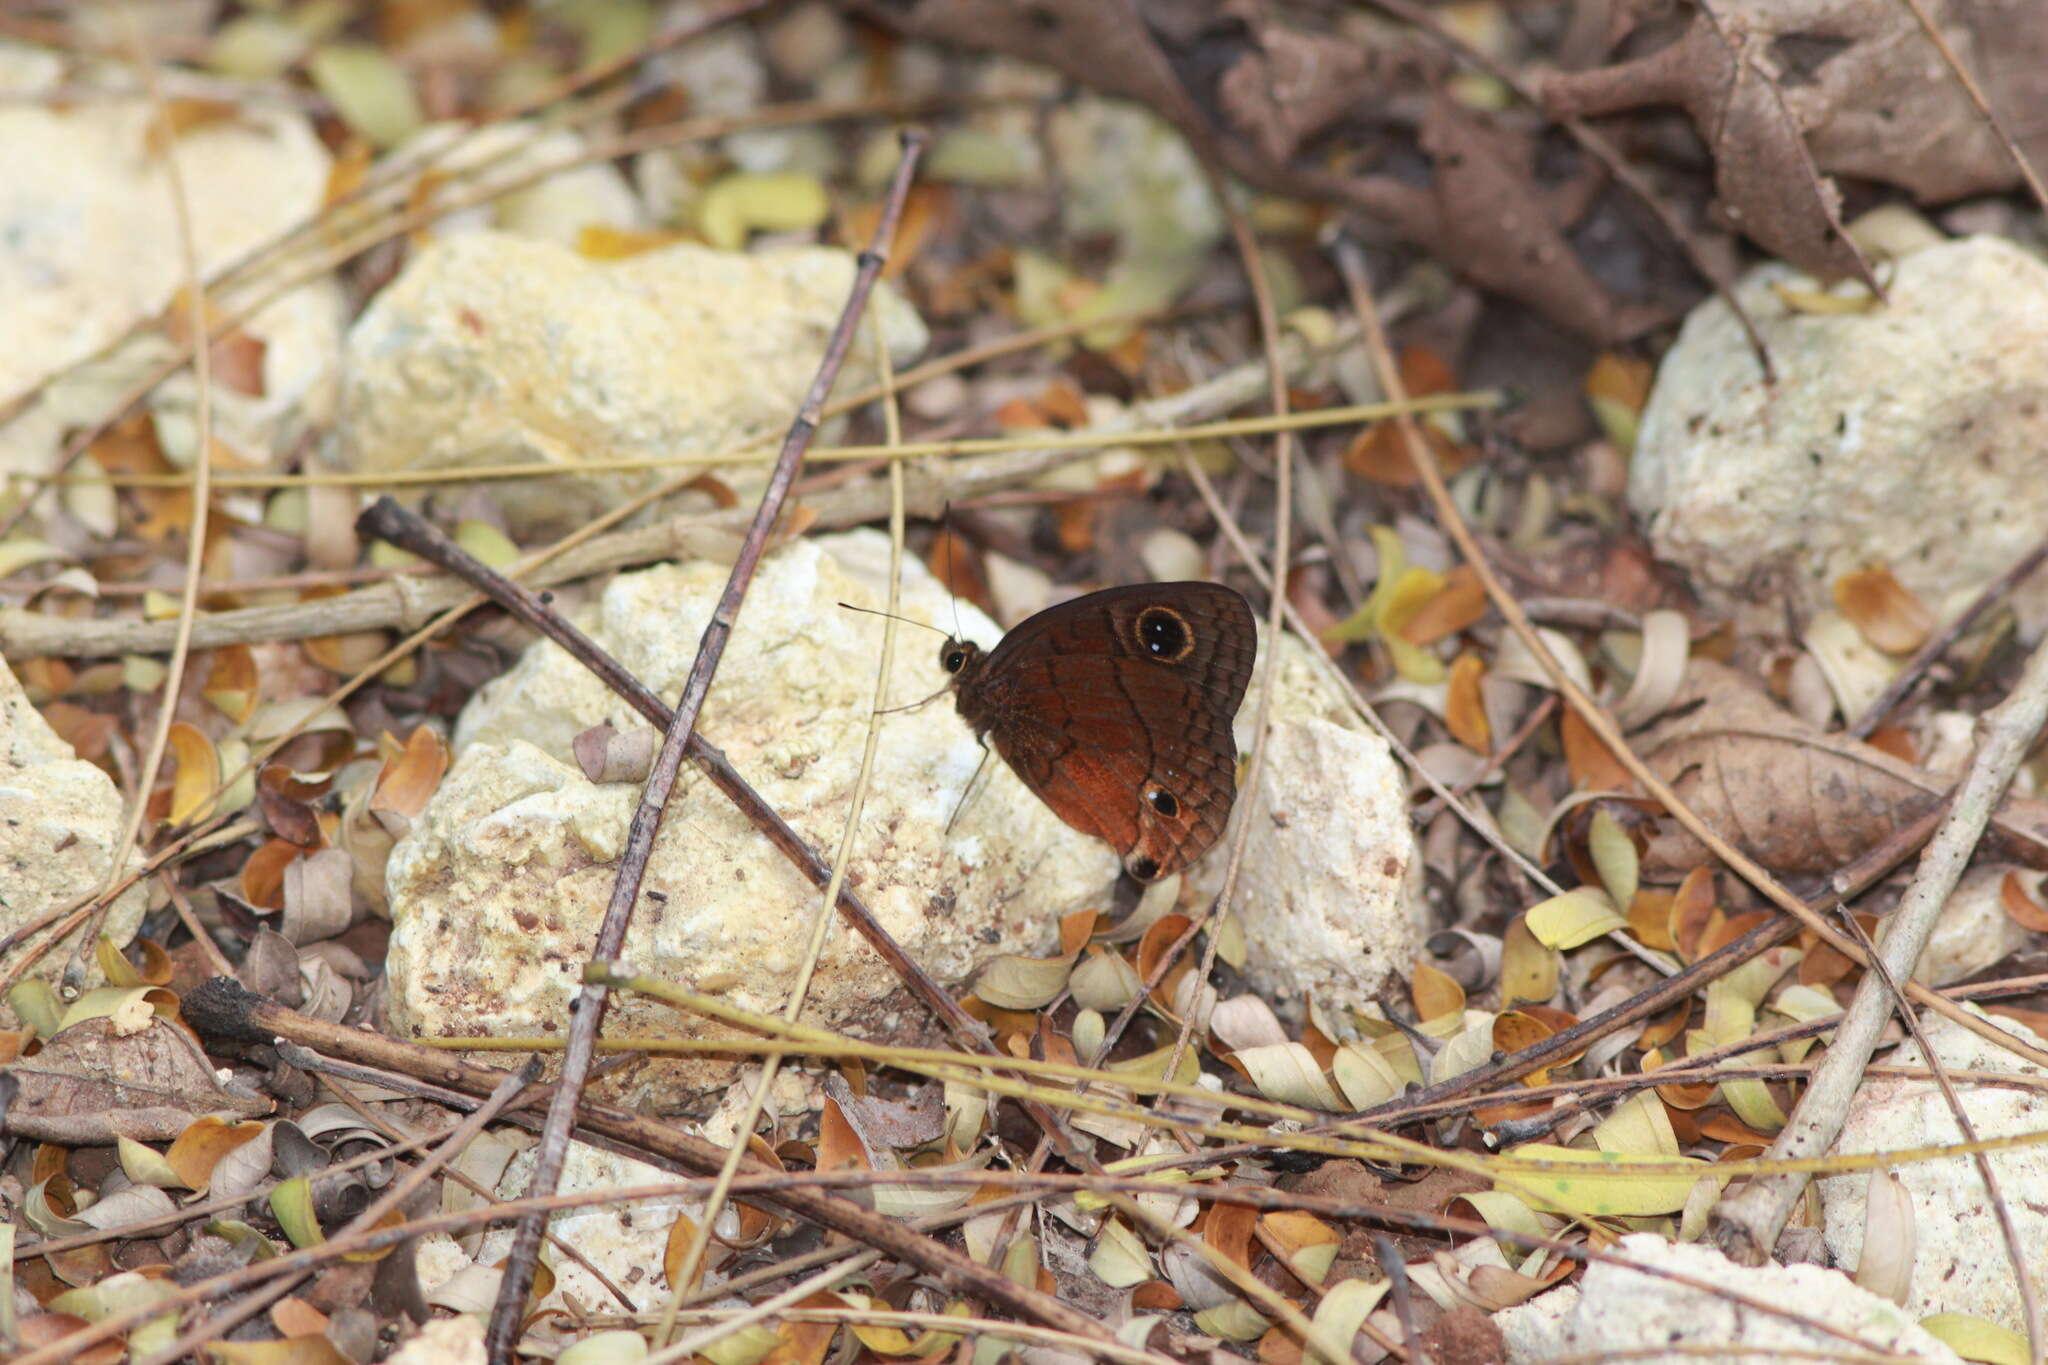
(91, 1085)
(1797, 800)
(1890, 615)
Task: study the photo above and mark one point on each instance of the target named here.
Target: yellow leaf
(1577, 917)
(486, 542)
(616, 1347)
(1638, 1127)
(1365, 1076)
(1614, 856)
(1528, 970)
(196, 769)
(772, 201)
(1119, 1259)
(369, 90)
(1976, 1339)
(1608, 1189)
(1288, 1072)
(291, 1203)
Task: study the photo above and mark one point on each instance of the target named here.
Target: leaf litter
(147, 1155)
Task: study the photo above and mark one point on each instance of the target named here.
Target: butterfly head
(959, 657)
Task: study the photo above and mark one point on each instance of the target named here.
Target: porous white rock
(1973, 931)
(493, 349)
(60, 820)
(1961, 1264)
(497, 891)
(1530, 1330)
(1909, 435)
(1329, 896)
(77, 274)
(1624, 1311)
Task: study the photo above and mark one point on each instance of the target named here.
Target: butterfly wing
(1116, 709)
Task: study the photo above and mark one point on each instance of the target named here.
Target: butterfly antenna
(966, 791)
(952, 576)
(894, 617)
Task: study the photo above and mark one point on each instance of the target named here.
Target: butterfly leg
(968, 790)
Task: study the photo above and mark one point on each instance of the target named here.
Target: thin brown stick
(587, 1016)
(1247, 244)
(254, 1302)
(222, 1009)
(1938, 643)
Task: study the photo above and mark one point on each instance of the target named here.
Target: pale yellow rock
(59, 820)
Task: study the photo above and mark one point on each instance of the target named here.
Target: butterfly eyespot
(1163, 634)
(1144, 869)
(1163, 801)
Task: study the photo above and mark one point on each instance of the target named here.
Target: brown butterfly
(1115, 708)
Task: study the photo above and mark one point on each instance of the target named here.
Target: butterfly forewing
(1116, 710)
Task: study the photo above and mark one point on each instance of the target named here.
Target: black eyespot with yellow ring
(1163, 635)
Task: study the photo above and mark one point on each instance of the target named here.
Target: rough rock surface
(1910, 435)
(1961, 1264)
(493, 349)
(497, 892)
(59, 819)
(1620, 1310)
(76, 274)
(1328, 895)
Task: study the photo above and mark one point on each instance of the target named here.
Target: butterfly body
(1116, 708)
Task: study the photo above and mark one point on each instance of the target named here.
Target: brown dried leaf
(197, 1150)
(890, 1125)
(1724, 77)
(1797, 800)
(91, 1085)
(412, 773)
(2020, 906)
(1465, 707)
(317, 904)
(1890, 614)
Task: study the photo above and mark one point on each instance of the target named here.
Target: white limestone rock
(1330, 891)
(493, 349)
(497, 892)
(1961, 1265)
(60, 820)
(1973, 931)
(1620, 1310)
(76, 274)
(1910, 435)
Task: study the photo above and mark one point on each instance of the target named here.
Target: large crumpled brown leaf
(1787, 92)
(90, 1085)
(1249, 91)
(1798, 800)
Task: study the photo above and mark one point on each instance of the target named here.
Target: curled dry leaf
(884, 1125)
(1436, 995)
(1797, 800)
(317, 904)
(91, 1084)
(410, 773)
(609, 755)
(1890, 615)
